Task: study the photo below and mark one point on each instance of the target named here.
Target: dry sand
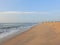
(42, 34)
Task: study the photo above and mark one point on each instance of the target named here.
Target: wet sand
(43, 34)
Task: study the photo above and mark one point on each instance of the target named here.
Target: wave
(5, 28)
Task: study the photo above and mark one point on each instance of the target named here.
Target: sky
(29, 10)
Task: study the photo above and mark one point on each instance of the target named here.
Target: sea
(7, 29)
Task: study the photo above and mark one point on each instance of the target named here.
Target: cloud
(17, 16)
(18, 12)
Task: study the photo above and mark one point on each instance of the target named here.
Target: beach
(47, 33)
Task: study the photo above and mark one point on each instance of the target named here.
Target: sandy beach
(43, 34)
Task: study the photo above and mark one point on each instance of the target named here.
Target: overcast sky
(29, 10)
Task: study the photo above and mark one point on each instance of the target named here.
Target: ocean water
(11, 28)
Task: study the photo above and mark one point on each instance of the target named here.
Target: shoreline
(2, 40)
(41, 34)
